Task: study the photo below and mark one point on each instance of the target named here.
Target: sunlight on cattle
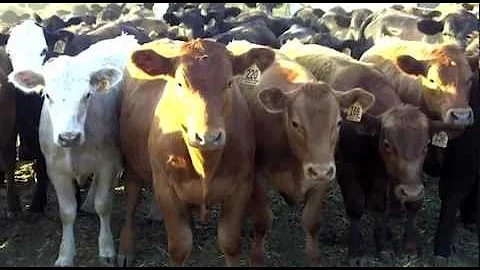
(4, 245)
(164, 47)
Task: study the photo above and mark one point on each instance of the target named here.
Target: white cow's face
(26, 46)
(68, 86)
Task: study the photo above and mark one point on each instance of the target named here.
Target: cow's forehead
(26, 36)
(66, 77)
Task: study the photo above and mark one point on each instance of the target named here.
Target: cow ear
(411, 65)
(273, 100)
(356, 95)
(430, 27)
(106, 78)
(154, 64)
(262, 57)
(27, 81)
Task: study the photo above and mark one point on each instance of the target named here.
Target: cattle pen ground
(33, 240)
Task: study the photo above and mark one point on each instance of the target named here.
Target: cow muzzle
(460, 116)
(322, 172)
(69, 139)
(210, 140)
(409, 193)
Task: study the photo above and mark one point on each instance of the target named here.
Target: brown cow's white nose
(319, 171)
(69, 139)
(409, 193)
(460, 116)
(211, 138)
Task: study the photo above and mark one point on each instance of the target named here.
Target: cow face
(312, 121)
(68, 94)
(446, 81)
(403, 143)
(201, 78)
(27, 46)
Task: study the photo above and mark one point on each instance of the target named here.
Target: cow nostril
(311, 172)
(219, 136)
(198, 138)
(331, 172)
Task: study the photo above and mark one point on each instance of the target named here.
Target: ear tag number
(355, 112)
(251, 75)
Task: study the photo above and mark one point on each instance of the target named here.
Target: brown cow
(189, 129)
(297, 121)
(435, 77)
(385, 153)
(8, 133)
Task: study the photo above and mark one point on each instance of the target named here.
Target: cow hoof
(257, 261)
(357, 262)
(125, 260)
(14, 214)
(35, 209)
(440, 261)
(63, 262)
(107, 261)
(386, 255)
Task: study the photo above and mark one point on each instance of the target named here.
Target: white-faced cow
(79, 131)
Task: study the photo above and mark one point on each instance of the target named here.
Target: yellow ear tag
(252, 75)
(355, 112)
(440, 139)
(103, 85)
(59, 46)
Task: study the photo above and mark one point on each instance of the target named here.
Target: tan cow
(297, 120)
(185, 128)
(435, 77)
(390, 157)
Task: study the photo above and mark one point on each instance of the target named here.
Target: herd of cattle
(211, 104)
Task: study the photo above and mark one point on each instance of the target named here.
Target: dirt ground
(34, 240)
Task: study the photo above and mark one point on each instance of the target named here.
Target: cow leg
(126, 251)
(311, 222)
(379, 196)
(411, 236)
(39, 199)
(231, 222)
(9, 159)
(259, 208)
(103, 206)
(446, 225)
(354, 201)
(67, 205)
(176, 220)
(469, 208)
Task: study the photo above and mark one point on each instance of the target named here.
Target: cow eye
(230, 84)
(295, 124)
(48, 97)
(180, 85)
(386, 144)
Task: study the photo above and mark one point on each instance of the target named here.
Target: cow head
(446, 80)
(68, 94)
(312, 119)
(26, 46)
(201, 78)
(404, 134)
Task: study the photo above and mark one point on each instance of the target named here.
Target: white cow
(27, 46)
(79, 129)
